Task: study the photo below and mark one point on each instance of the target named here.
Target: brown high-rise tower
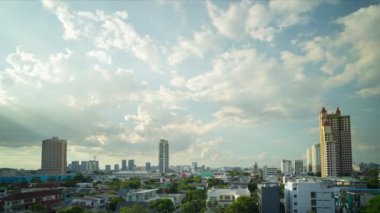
(54, 152)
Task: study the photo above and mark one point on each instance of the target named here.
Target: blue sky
(226, 82)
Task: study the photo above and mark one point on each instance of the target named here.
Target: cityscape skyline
(225, 84)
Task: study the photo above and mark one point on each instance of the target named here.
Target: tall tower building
(131, 165)
(286, 167)
(315, 158)
(124, 165)
(54, 152)
(163, 156)
(335, 144)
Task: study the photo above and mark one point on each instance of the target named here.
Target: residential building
(142, 195)
(268, 197)
(270, 172)
(315, 158)
(3, 192)
(131, 165)
(124, 165)
(225, 197)
(75, 166)
(163, 156)
(194, 166)
(308, 160)
(108, 168)
(304, 196)
(147, 166)
(335, 144)
(255, 169)
(116, 167)
(54, 152)
(23, 201)
(286, 167)
(95, 204)
(298, 167)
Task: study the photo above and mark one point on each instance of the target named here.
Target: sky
(227, 83)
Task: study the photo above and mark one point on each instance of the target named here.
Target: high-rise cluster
(335, 144)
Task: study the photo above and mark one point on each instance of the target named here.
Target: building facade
(124, 165)
(131, 165)
(270, 173)
(163, 156)
(315, 159)
(286, 167)
(54, 156)
(225, 197)
(268, 197)
(147, 166)
(335, 144)
(298, 167)
(305, 196)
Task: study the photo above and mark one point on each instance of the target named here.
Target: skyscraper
(131, 165)
(147, 166)
(163, 156)
(298, 167)
(124, 165)
(315, 158)
(335, 144)
(286, 167)
(53, 159)
(308, 160)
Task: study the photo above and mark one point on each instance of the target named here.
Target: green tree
(162, 205)
(39, 208)
(173, 187)
(252, 187)
(187, 207)
(373, 206)
(114, 201)
(134, 209)
(243, 205)
(74, 209)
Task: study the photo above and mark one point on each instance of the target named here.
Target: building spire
(323, 110)
(337, 111)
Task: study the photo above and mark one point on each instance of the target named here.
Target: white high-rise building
(163, 156)
(270, 174)
(286, 167)
(54, 153)
(335, 144)
(308, 160)
(315, 159)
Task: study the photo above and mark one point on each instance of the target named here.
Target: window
(313, 202)
(313, 194)
(295, 196)
(295, 203)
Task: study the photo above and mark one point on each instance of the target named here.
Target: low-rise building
(142, 195)
(23, 201)
(225, 197)
(91, 202)
(268, 197)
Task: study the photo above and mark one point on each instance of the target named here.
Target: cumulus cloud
(101, 56)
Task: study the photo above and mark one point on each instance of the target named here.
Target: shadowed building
(163, 156)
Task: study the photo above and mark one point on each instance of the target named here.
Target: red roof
(35, 194)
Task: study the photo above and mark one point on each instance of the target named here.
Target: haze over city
(226, 83)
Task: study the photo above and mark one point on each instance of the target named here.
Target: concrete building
(108, 168)
(335, 144)
(286, 167)
(75, 166)
(304, 196)
(308, 160)
(131, 165)
(163, 156)
(54, 153)
(315, 158)
(147, 166)
(225, 197)
(93, 203)
(255, 169)
(124, 165)
(270, 172)
(268, 197)
(116, 167)
(194, 166)
(298, 167)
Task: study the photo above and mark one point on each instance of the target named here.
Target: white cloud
(368, 92)
(101, 56)
(200, 43)
(262, 20)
